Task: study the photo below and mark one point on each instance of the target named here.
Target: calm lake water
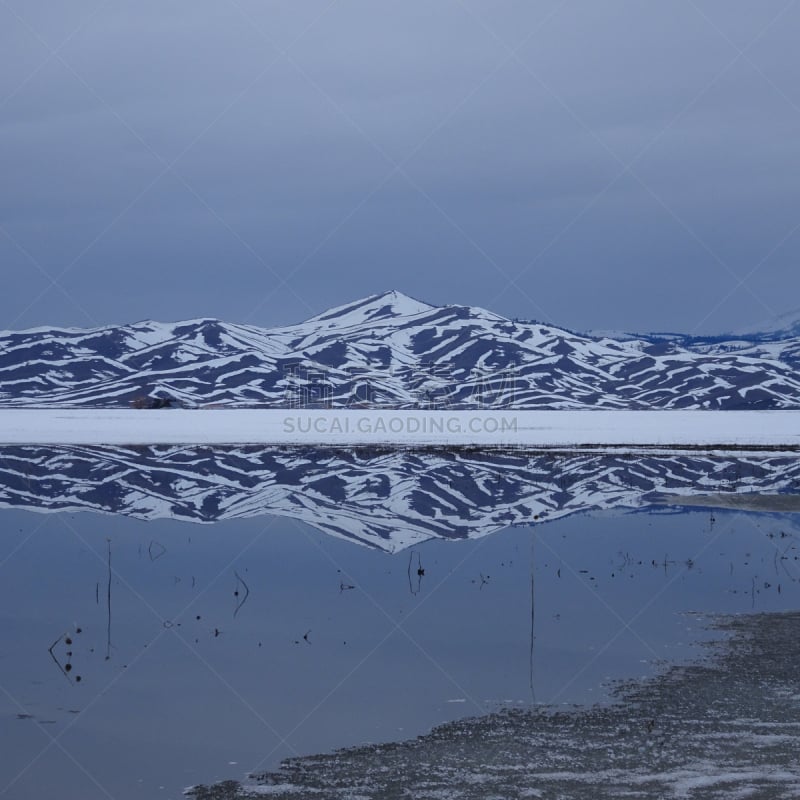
(331, 599)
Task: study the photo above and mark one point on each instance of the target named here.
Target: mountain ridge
(391, 350)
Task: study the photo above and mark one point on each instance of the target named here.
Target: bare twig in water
(415, 575)
(782, 559)
(53, 656)
(156, 550)
(484, 580)
(243, 599)
(533, 618)
(108, 603)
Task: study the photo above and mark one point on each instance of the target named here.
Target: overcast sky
(614, 165)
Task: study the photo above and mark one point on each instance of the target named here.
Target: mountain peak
(377, 306)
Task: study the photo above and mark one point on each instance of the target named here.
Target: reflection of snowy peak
(395, 351)
(388, 500)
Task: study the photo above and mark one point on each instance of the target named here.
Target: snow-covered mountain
(395, 351)
(784, 326)
(389, 500)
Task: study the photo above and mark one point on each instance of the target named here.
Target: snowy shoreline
(667, 429)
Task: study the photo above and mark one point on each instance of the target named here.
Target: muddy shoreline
(726, 727)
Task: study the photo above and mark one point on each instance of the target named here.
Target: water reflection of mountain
(386, 499)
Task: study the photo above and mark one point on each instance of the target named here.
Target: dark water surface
(142, 652)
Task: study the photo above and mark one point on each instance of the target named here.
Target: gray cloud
(284, 167)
